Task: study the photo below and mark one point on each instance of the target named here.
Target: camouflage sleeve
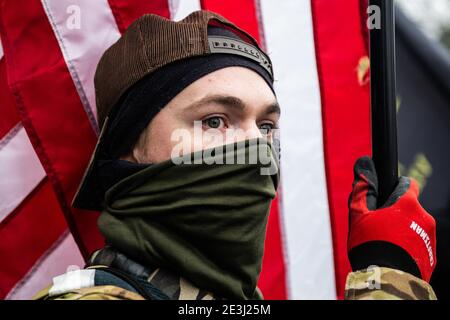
(92, 293)
(377, 283)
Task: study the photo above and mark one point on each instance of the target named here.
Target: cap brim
(88, 195)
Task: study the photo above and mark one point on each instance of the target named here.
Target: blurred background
(423, 84)
(431, 17)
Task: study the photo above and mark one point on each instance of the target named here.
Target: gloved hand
(399, 235)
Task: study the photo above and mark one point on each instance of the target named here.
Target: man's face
(225, 106)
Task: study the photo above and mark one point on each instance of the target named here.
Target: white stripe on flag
(290, 44)
(20, 169)
(179, 9)
(84, 31)
(63, 256)
(1, 50)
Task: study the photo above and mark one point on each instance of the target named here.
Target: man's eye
(266, 128)
(214, 122)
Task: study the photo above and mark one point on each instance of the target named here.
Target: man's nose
(246, 132)
(254, 132)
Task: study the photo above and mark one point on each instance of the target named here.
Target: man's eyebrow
(226, 100)
(230, 101)
(273, 108)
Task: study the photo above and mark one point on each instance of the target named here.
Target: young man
(186, 167)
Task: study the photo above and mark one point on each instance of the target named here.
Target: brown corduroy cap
(152, 42)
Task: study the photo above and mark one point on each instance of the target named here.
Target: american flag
(48, 131)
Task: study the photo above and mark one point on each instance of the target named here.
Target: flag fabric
(48, 131)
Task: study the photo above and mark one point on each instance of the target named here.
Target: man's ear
(139, 152)
(129, 157)
(139, 155)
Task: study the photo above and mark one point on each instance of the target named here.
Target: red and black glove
(399, 235)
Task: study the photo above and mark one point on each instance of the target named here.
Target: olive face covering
(207, 222)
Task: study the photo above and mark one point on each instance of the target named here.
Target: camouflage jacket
(378, 283)
(95, 282)
(91, 284)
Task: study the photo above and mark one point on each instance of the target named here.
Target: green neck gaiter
(207, 222)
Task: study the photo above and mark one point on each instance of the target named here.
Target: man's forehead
(234, 102)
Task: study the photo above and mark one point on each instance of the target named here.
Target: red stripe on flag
(345, 111)
(27, 233)
(242, 13)
(50, 109)
(272, 280)
(126, 11)
(9, 115)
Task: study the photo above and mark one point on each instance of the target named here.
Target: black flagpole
(383, 99)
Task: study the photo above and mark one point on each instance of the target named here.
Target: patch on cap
(221, 44)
